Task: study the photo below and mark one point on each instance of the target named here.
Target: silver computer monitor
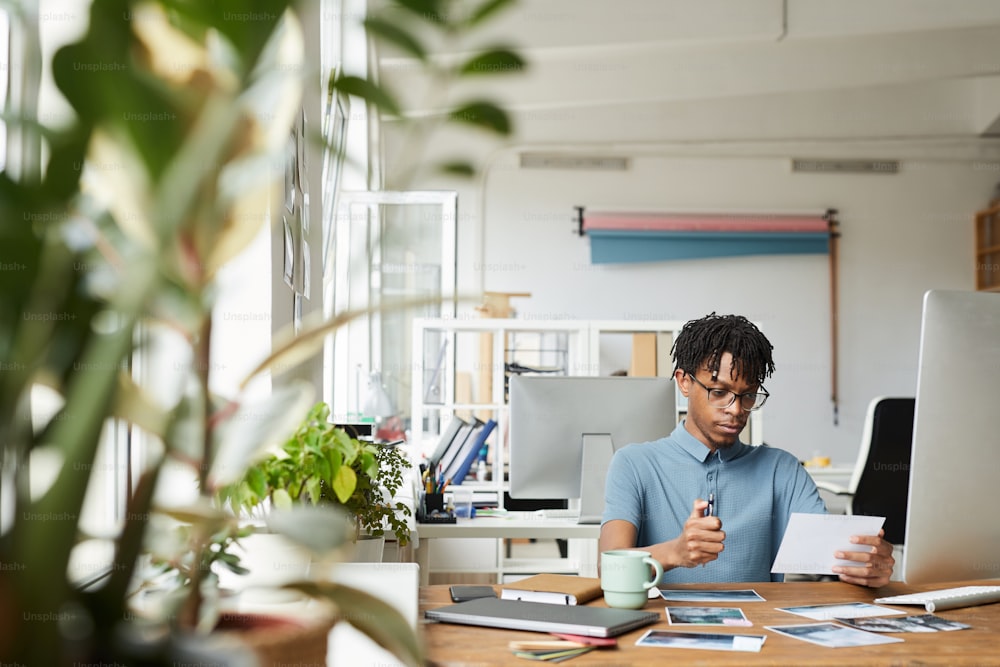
(556, 422)
(952, 530)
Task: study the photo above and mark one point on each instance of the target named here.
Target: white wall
(710, 110)
(901, 235)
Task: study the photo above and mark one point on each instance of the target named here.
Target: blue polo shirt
(653, 485)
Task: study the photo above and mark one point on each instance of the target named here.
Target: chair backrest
(883, 485)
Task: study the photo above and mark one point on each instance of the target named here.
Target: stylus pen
(710, 511)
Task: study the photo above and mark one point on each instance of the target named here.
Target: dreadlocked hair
(703, 342)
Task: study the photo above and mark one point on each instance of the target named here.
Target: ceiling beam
(639, 74)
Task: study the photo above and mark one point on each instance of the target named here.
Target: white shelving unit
(462, 365)
(453, 358)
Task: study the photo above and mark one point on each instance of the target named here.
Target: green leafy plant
(155, 185)
(322, 463)
(416, 30)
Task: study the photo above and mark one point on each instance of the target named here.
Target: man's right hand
(701, 541)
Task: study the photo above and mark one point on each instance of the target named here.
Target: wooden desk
(449, 644)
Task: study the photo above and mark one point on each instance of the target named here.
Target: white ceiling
(648, 74)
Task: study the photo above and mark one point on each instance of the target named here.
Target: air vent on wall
(553, 161)
(845, 166)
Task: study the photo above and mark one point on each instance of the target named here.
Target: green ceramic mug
(627, 576)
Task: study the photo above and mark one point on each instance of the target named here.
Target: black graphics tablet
(541, 617)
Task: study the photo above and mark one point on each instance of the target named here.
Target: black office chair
(881, 480)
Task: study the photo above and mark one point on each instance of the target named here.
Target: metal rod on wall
(834, 229)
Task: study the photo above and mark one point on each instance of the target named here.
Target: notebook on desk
(541, 617)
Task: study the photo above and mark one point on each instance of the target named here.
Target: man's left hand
(874, 565)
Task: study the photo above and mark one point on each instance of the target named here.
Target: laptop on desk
(541, 617)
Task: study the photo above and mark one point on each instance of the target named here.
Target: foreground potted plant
(322, 464)
(154, 184)
(152, 188)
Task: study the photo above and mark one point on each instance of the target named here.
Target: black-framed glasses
(723, 398)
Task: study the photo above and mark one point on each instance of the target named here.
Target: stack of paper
(557, 650)
(553, 650)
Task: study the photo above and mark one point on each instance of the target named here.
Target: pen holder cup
(433, 502)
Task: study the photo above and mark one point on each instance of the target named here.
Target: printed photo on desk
(826, 612)
(918, 623)
(730, 616)
(831, 635)
(701, 640)
(691, 595)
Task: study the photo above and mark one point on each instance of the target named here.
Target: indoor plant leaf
(483, 114)
(344, 483)
(428, 10)
(282, 500)
(395, 33)
(134, 405)
(486, 10)
(373, 616)
(291, 349)
(458, 168)
(498, 60)
(200, 513)
(256, 425)
(247, 37)
(257, 482)
(369, 92)
(320, 528)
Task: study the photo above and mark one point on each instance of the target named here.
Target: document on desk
(811, 540)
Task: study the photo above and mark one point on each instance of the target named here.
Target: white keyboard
(948, 598)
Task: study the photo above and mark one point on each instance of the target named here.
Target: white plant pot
(273, 561)
(367, 549)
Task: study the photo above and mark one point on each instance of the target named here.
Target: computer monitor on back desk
(952, 529)
(564, 430)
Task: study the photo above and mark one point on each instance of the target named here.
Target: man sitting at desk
(658, 493)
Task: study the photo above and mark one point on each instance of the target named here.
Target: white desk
(830, 472)
(515, 525)
(832, 482)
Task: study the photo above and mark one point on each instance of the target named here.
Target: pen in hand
(710, 511)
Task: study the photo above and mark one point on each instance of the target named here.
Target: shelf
(987, 255)
(464, 406)
(536, 565)
(463, 358)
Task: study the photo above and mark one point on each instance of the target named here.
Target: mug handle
(655, 564)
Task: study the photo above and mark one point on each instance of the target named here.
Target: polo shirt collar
(699, 451)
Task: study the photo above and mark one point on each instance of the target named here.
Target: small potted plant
(322, 463)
